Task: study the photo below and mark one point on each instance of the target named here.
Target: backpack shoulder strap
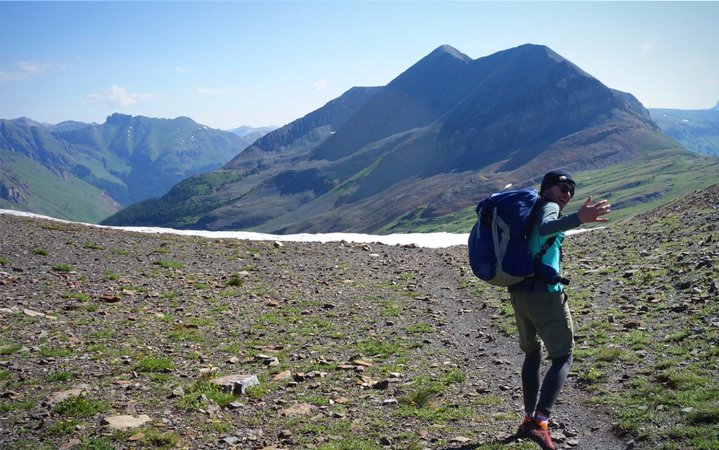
(534, 215)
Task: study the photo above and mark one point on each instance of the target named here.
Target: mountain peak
(26, 121)
(118, 119)
(535, 51)
(450, 51)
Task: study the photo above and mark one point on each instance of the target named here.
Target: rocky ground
(354, 346)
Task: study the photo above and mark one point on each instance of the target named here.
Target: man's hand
(592, 213)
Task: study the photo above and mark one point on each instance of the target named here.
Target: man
(540, 305)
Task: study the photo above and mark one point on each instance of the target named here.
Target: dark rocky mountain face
(439, 136)
(128, 158)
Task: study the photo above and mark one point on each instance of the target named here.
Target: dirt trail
(497, 360)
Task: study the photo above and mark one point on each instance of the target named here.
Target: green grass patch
(63, 268)
(351, 443)
(608, 354)
(167, 264)
(110, 276)
(181, 333)
(453, 377)
(260, 391)
(155, 439)
(9, 349)
(380, 349)
(421, 397)
(391, 309)
(193, 398)
(15, 406)
(681, 379)
(80, 296)
(155, 365)
(52, 352)
(705, 416)
(62, 427)
(40, 251)
(59, 375)
(236, 280)
(591, 376)
(421, 327)
(96, 443)
(80, 407)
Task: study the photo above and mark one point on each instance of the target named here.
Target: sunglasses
(566, 188)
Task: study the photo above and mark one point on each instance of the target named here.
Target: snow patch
(426, 240)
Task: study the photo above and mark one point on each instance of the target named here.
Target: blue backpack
(499, 242)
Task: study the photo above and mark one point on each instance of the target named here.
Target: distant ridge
(697, 130)
(421, 149)
(81, 171)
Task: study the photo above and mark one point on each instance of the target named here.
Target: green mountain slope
(62, 197)
(638, 185)
(129, 158)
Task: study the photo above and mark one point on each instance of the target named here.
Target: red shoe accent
(539, 435)
(525, 427)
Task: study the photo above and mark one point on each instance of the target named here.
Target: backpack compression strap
(538, 260)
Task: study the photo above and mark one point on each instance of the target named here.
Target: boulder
(237, 384)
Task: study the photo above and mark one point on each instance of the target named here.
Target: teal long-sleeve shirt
(549, 223)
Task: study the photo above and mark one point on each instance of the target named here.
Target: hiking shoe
(526, 426)
(540, 435)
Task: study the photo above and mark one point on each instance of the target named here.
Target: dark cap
(555, 177)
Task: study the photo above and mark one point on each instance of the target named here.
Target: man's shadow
(505, 441)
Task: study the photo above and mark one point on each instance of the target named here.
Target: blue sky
(227, 64)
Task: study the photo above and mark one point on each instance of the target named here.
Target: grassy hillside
(636, 186)
(66, 197)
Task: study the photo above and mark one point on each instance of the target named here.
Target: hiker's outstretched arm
(550, 223)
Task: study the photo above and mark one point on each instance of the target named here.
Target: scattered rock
(31, 313)
(301, 409)
(125, 422)
(110, 298)
(61, 396)
(230, 440)
(362, 363)
(284, 375)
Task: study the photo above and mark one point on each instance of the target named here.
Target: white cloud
(647, 46)
(215, 91)
(320, 85)
(117, 96)
(27, 69)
